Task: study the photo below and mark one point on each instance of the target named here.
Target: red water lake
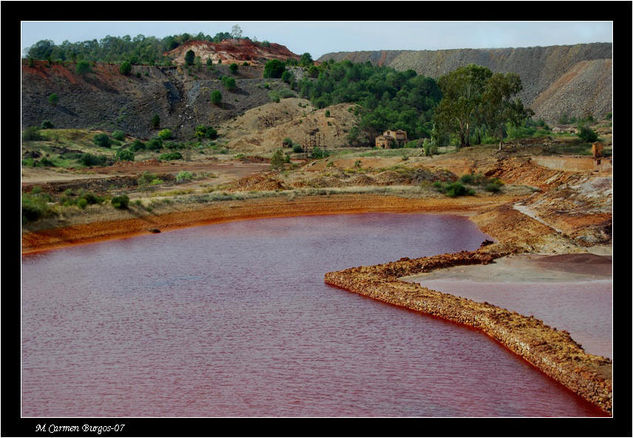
(234, 320)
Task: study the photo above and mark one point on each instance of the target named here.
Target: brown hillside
(263, 129)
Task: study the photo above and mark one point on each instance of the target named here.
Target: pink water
(234, 320)
(583, 308)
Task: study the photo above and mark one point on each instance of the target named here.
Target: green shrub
(34, 206)
(137, 145)
(296, 148)
(453, 189)
(286, 142)
(83, 68)
(203, 131)
(121, 202)
(46, 124)
(82, 203)
(587, 134)
(233, 68)
(45, 162)
(32, 133)
(102, 140)
(93, 160)
(154, 144)
(125, 68)
(118, 135)
(609, 116)
(274, 69)
(277, 160)
(229, 83)
(216, 97)
(319, 153)
(274, 96)
(155, 121)
(53, 99)
(170, 156)
(493, 187)
(184, 176)
(145, 178)
(165, 134)
(124, 155)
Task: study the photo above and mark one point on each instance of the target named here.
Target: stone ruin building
(390, 138)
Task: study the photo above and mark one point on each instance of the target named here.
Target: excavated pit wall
(551, 351)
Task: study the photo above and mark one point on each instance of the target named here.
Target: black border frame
(618, 12)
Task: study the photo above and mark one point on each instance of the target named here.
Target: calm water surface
(234, 320)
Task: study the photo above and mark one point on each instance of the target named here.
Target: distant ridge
(575, 80)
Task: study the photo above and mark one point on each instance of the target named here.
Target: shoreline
(129, 225)
(551, 351)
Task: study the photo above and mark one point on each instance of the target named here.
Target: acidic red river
(234, 319)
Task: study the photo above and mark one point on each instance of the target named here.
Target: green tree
(125, 68)
(499, 107)
(274, 68)
(190, 57)
(83, 68)
(229, 83)
(216, 97)
(462, 92)
(155, 121)
(233, 68)
(306, 60)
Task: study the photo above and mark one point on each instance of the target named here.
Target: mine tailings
(551, 351)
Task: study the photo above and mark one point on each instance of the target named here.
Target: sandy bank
(133, 222)
(551, 351)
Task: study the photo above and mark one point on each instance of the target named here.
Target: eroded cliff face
(574, 80)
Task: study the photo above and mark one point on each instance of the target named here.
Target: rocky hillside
(229, 51)
(573, 80)
(106, 99)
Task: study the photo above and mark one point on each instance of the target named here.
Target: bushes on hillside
(102, 140)
(124, 155)
(169, 156)
(585, 133)
(120, 202)
(32, 133)
(125, 68)
(453, 189)
(94, 160)
(203, 131)
(274, 69)
(35, 206)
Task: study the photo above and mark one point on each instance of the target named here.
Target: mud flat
(552, 351)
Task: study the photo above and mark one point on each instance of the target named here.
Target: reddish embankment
(127, 225)
(552, 351)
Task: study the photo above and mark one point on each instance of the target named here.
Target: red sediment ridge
(238, 51)
(551, 351)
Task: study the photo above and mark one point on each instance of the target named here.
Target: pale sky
(321, 37)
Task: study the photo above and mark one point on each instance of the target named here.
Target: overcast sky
(318, 38)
